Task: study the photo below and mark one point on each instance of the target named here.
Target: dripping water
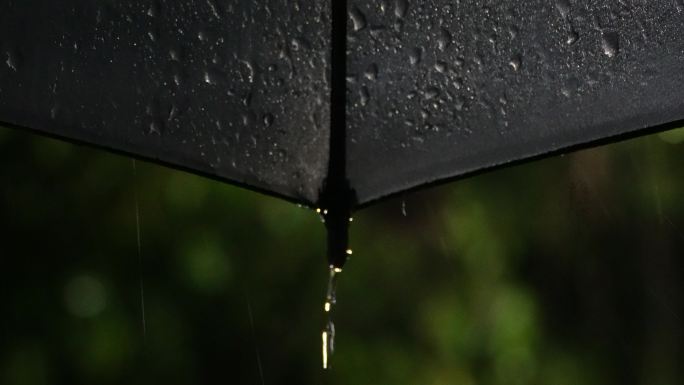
(140, 263)
(256, 346)
(328, 334)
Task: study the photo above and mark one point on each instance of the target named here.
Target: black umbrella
(336, 105)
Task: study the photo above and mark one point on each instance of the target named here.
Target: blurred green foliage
(561, 271)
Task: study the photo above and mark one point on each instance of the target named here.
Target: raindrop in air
(610, 43)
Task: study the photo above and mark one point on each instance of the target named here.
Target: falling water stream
(337, 227)
(328, 334)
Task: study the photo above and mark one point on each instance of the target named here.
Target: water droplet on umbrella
(441, 67)
(444, 39)
(563, 6)
(513, 31)
(572, 37)
(364, 96)
(400, 8)
(154, 9)
(460, 103)
(214, 9)
(610, 42)
(372, 72)
(268, 120)
(208, 79)
(250, 71)
(12, 61)
(358, 19)
(53, 111)
(680, 5)
(415, 56)
(516, 62)
(431, 93)
(156, 127)
(174, 54)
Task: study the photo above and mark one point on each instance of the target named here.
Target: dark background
(561, 271)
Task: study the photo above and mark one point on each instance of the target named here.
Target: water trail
(328, 334)
(140, 262)
(256, 345)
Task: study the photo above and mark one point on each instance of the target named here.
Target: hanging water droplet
(610, 42)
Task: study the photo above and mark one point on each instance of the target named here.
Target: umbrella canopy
(440, 89)
(234, 90)
(338, 104)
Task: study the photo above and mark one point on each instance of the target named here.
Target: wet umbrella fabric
(234, 90)
(271, 96)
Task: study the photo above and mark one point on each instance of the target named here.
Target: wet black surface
(439, 89)
(435, 89)
(235, 90)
